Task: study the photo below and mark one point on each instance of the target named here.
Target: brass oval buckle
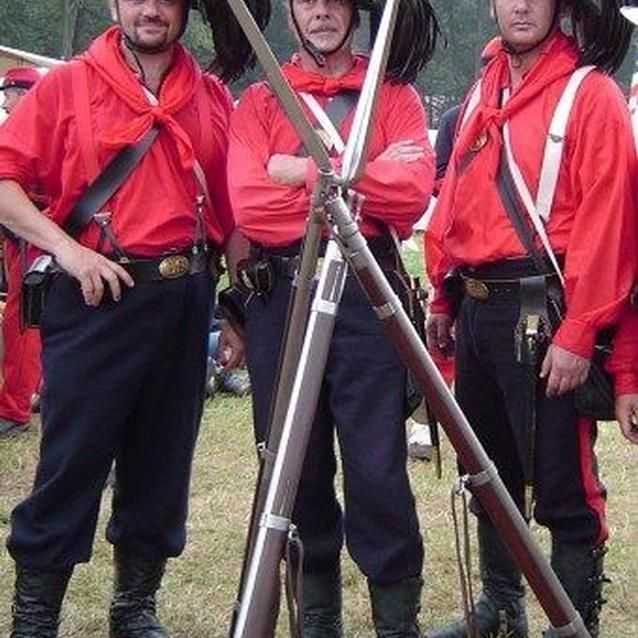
(174, 266)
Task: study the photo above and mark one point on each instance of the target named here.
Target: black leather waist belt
(168, 267)
(509, 269)
(484, 289)
(285, 260)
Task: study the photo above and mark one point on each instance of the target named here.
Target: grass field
(201, 586)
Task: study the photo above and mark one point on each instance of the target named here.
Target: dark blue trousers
(123, 381)
(362, 399)
(491, 390)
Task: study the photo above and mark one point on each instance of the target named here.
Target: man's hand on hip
(93, 271)
(438, 332)
(627, 415)
(288, 170)
(563, 370)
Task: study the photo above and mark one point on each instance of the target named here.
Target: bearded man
(126, 321)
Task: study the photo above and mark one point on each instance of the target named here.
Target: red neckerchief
(178, 88)
(558, 60)
(313, 82)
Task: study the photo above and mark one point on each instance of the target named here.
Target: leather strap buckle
(476, 289)
(174, 266)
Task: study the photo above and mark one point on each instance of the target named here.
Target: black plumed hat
(415, 36)
(233, 53)
(603, 34)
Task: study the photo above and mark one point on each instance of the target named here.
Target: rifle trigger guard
(482, 478)
(272, 521)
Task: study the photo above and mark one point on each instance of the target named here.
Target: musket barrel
(254, 614)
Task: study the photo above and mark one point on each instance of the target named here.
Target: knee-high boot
(322, 604)
(133, 608)
(579, 568)
(500, 608)
(37, 602)
(395, 608)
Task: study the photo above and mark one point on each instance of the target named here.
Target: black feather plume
(233, 53)
(415, 36)
(603, 34)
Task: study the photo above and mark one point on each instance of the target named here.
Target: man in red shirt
(591, 227)
(363, 389)
(21, 363)
(126, 323)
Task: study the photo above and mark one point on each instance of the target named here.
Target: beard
(150, 44)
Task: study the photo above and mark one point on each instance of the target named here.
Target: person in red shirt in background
(363, 392)
(17, 82)
(21, 364)
(592, 228)
(125, 327)
(624, 361)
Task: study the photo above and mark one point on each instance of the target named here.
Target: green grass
(200, 588)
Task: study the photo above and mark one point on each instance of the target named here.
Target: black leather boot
(580, 570)
(37, 602)
(500, 608)
(322, 605)
(133, 613)
(395, 608)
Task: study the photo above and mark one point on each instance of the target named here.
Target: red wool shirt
(396, 193)
(42, 148)
(593, 221)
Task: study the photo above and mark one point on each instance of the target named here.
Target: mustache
(158, 22)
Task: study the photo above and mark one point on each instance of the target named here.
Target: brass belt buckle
(477, 289)
(174, 266)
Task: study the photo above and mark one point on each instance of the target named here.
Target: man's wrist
(231, 307)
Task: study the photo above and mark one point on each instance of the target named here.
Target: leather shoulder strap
(337, 110)
(108, 183)
(102, 186)
(513, 207)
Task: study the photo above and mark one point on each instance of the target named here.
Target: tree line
(62, 28)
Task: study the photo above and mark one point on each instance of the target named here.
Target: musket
(297, 316)
(483, 479)
(271, 510)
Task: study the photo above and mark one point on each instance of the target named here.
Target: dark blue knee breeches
(362, 399)
(124, 381)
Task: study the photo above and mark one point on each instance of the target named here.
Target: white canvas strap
(540, 210)
(528, 202)
(472, 104)
(555, 143)
(325, 122)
